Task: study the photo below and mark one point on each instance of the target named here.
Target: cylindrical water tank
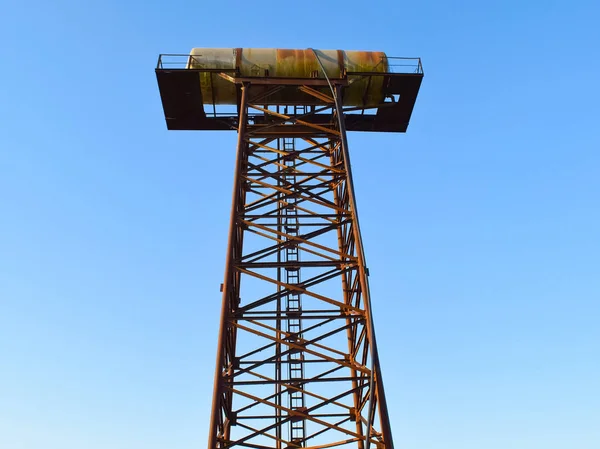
(273, 62)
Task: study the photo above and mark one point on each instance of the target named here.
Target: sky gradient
(481, 224)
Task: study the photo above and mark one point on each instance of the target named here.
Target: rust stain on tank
(295, 63)
(370, 61)
(283, 53)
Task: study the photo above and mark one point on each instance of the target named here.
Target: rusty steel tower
(297, 363)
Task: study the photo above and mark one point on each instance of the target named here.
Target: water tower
(297, 363)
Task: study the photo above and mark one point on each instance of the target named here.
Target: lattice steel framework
(297, 362)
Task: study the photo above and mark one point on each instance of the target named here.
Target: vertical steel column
(219, 426)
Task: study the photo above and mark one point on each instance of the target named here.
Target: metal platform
(186, 109)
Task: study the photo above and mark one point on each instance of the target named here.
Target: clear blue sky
(481, 224)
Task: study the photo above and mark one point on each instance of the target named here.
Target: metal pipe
(337, 96)
(375, 372)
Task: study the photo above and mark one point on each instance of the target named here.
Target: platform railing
(171, 61)
(398, 64)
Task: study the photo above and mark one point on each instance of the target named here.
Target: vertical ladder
(293, 299)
